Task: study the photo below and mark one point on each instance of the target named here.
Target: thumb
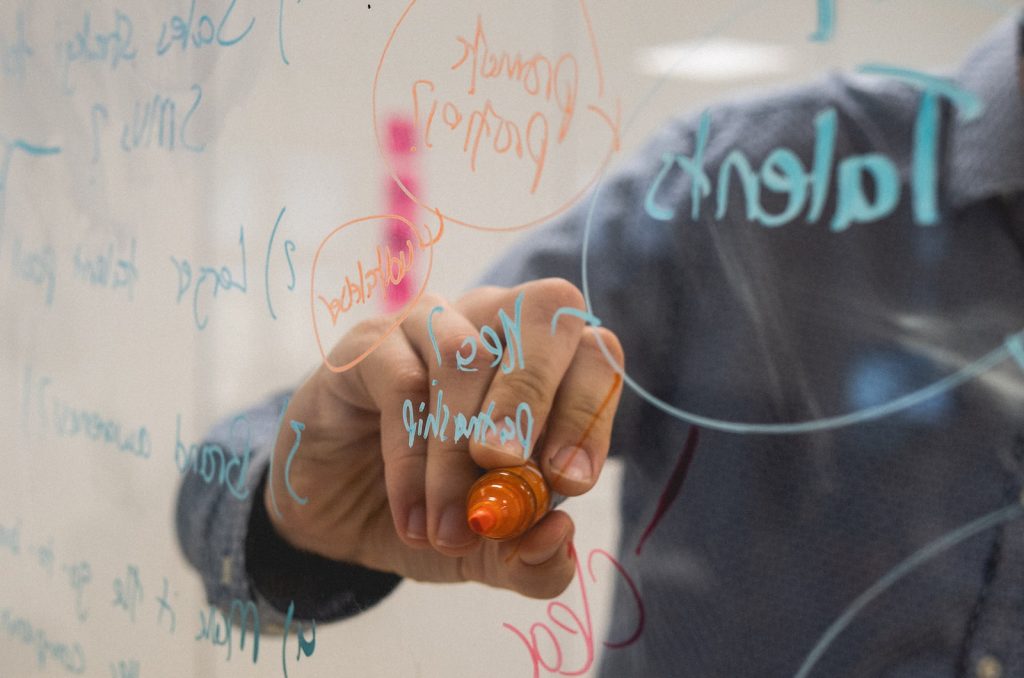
(540, 564)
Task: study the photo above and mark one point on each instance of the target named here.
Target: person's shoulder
(869, 113)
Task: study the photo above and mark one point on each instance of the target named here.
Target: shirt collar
(986, 154)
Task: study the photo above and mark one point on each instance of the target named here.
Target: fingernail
(416, 527)
(453, 531)
(543, 555)
(510, 447)
(573, 463)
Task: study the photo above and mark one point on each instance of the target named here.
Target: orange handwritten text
(332, 257)
(536, 75)
(505, 135)
(557, 83)
(389, 271)
(578, 626)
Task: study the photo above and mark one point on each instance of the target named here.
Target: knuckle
(429, 300)
(453, 460)
(457, 343)
(410, 379)
(403, 464)
(594, 337)
(557, 293)
(481, 293)
(527, 386)
(476, 300)
(365, 332)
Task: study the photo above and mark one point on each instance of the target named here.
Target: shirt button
(988, 667)
(225, 573)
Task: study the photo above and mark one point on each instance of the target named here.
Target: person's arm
(623, 258)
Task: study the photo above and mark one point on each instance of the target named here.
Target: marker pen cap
(505, 502)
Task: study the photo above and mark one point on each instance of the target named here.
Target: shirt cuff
(321, 588)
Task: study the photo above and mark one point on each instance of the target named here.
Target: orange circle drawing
(399, 317)
(612, 120)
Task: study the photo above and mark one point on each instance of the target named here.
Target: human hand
(386, 496)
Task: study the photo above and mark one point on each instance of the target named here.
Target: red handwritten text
(578, 626)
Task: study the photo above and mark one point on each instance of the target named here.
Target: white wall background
(76, 513)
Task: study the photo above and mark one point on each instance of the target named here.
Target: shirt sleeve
(226, 535)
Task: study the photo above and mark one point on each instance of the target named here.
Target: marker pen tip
(482, 520)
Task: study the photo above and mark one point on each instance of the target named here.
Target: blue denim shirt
(847, 353)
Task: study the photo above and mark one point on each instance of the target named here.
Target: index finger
(515, 326)
(576, 437)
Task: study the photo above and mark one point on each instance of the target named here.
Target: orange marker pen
(506, 502)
